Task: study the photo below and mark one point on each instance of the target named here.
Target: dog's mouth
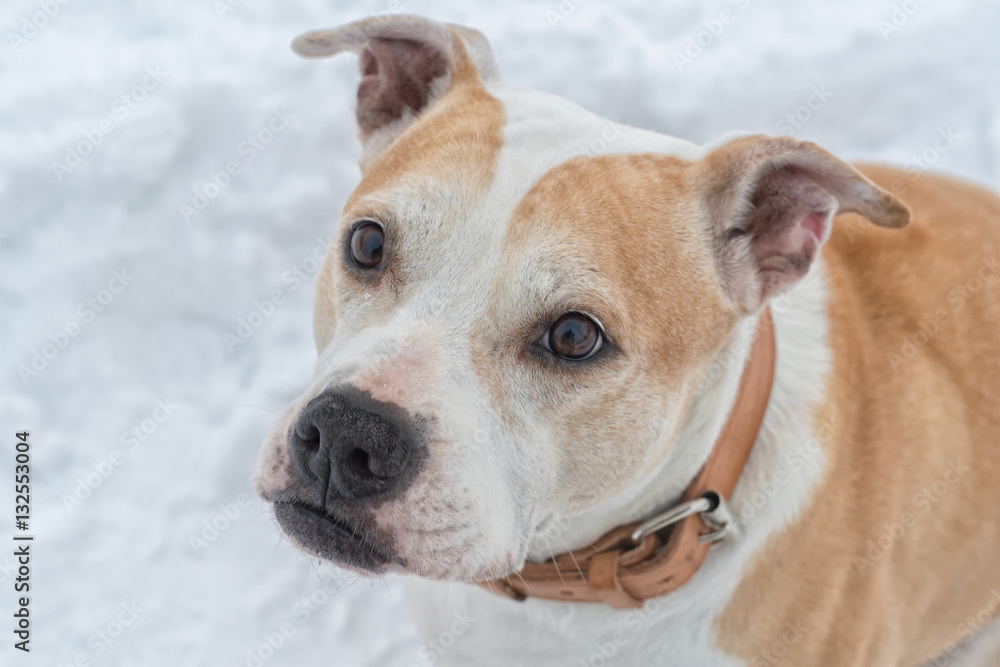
(331, 538)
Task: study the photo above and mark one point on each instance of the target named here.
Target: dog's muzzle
(349, 453)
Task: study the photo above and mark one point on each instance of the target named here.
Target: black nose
(347, 445)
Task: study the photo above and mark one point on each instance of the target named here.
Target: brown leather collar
(623, 572)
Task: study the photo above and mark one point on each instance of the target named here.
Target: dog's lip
(332, 538)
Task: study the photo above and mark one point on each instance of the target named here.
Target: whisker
(570, 552)
(523, 581)
(554, 562)
(269, 409)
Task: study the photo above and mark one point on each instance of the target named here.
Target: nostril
(358, 459)
(309, 436)
(350, 446)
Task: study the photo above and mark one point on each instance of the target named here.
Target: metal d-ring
(711, 504)
(673, 515)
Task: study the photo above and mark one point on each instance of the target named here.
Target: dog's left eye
(573, 336)
(366, 244)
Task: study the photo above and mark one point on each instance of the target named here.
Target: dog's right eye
(574, 336)
(366, 244)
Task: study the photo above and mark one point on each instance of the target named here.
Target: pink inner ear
(815, 223)
(787, 224)
(397, 75)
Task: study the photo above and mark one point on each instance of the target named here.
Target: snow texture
(886, 80)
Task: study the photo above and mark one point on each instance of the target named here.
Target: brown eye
(574, 336)
(366, 244)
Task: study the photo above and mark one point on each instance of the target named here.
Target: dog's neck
(693, 444)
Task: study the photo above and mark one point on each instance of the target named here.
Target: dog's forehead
(542, 131)
(509, 200)
(461, 171)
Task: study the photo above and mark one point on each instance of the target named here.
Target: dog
(534, 328)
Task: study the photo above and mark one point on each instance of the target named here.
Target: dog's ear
(770, 203)
(407, 64)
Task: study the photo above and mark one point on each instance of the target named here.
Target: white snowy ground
(64, 232)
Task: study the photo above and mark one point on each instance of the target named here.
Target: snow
(210, 81)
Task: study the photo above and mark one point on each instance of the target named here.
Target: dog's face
(519, 306)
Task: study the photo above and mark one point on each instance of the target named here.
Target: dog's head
(520, 304)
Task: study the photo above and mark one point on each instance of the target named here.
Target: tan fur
(607, 226)
(902, 428)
